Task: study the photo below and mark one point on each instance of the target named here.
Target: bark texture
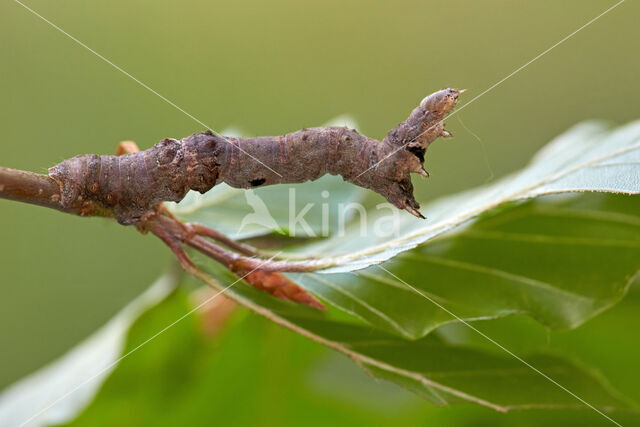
(132, 184)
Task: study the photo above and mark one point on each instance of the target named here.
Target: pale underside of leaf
(588, 157)
(543, 258)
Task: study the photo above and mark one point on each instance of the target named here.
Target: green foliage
(244, 75)
(255, 372)
(588, 157)
(543, 257)
(396, 307)
(561, 259)
(430, 366)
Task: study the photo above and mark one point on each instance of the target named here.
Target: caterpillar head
(409, 142)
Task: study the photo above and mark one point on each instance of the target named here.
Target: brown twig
(42, 190)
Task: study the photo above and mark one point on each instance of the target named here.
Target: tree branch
(42, 190)
(29, 187)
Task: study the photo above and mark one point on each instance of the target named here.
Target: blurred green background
(268, 68)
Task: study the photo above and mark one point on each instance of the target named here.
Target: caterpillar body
(133, 184)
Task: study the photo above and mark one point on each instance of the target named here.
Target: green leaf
(588, 157)
(607, 342)
(561, 260)
(493, 251)
(483, 254)
(184, 377)
(441, 372)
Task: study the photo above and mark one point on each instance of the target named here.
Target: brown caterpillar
(133, 184)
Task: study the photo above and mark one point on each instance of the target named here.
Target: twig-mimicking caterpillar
(131, 187)
(134, 184)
